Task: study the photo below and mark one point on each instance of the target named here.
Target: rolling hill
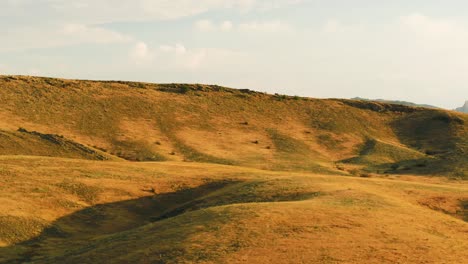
(126, 172)
(213, 124)
(78, 211)
(398, 102)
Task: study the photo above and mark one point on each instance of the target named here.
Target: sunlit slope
(76, 211)
(23, 142)
(181, 122)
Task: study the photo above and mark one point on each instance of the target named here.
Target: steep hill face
(213, 124)
(464, 108)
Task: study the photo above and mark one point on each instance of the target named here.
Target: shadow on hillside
(437, 134)
(424, 167)
(75, 231)
(430, 132)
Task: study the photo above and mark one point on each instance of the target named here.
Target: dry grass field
(74, 211)
(122, 172)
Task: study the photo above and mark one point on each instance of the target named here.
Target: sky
(398, 50)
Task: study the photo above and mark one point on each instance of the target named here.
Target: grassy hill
(23, 142)
(395, 102)
(203, 123)
(77, 211)
(123, 172)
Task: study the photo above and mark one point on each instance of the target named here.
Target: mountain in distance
(464, 108)
(396, 102)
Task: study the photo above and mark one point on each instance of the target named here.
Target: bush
(184, 89)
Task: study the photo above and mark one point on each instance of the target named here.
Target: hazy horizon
(325, 49)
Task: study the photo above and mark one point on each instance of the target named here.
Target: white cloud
(248, 5)
(195, 60)
(268, 27)
(177, 48)
(414, 55)
(209, 59)
(86, 34)
(226, 26)
(108, 11)
(332, 26)
(205, 25)
(431, 26)
(55, 23)
(335, 26)
(56, 36)
(255, 26)
(178, 57)
(140, 53)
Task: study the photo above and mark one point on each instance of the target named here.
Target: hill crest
(215, 124)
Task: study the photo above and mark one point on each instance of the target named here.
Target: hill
(213, 124)
(464, 108)
(396, 102)
(78, 211)
(125, 172)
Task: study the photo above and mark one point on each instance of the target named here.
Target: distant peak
(464, 108)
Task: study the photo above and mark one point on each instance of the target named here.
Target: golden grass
(229, 176)
(174, 212)
(155, 122)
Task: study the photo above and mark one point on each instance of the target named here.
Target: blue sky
(404, 50)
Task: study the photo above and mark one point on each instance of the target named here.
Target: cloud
(207, 25)
(86, 34)
(176, 49)
(332, 26)
(255, 26)
(335, 26)
(263, 5)
(178, 57)
(37, 24)
(414, 52)
(268, 27)
(141, 53)
(40, 37)
(429, 26)
(195, 60)
(226, 26)
(109, 11)
(209, 59)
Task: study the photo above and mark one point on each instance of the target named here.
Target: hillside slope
(77, 211)
(213, 124)
(23, 142)
(123, 172)
(395, 102)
